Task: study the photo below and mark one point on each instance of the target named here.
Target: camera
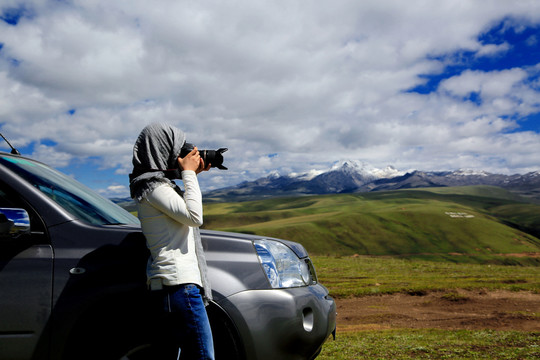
(213, 157)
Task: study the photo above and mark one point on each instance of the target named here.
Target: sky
(288, 86)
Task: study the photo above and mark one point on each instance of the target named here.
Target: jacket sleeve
(187, 210)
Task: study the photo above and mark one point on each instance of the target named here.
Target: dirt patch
(451, 310)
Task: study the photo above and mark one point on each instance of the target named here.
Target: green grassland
(474, 223)
(350, 276)
(433, 344)
(411, 241)
(365, 275)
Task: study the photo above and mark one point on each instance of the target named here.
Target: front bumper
(282, 323)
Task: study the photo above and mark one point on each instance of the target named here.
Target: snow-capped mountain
(351, 176)
(366, 170)
(354, 176)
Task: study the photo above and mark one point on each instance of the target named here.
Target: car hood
(296, 247)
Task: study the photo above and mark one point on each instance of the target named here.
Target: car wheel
(142, 352)
(227, 342)
(110, 331)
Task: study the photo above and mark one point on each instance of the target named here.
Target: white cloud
(311, 82)
(51, 156)
(492, 49)
(489, 84)
(113, 191)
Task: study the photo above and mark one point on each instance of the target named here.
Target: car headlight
(282, 267)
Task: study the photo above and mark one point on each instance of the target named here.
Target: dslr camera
(213, 157)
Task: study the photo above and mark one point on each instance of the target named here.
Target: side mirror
(13, 223)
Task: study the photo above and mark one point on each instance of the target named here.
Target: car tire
(129, 337)
(111, 330)
(131, 345)
(227, 342)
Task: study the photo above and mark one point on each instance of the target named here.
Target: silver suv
(73, 284)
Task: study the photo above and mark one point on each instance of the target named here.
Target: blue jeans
(186, 324)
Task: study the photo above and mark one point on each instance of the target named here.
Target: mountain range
(353, 176)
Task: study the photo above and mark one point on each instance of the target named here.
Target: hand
(191, 161)
(202, 168)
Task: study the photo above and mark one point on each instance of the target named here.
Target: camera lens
(212, 157)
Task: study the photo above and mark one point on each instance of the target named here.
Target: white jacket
(167, 219)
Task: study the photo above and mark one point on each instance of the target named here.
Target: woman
(170, 221)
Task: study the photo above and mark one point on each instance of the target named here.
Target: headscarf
(155, 161)
(155, 155)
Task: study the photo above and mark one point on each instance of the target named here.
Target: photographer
(170, 220)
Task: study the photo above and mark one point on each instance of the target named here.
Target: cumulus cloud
(489, 85)
(51, 156)
(114, 191)
(312, 82)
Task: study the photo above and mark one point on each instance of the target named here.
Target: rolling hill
(357, 177)
(471, 223)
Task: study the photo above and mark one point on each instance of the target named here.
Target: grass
(433, 344)
(417, 223)
(363, 275)
(406, 241)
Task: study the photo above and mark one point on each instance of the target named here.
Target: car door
(26, 264)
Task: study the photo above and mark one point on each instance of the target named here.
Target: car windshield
(74, 197)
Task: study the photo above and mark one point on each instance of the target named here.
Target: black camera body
(213, 157)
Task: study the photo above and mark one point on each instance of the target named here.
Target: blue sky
(287, 86)
(521, 50)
